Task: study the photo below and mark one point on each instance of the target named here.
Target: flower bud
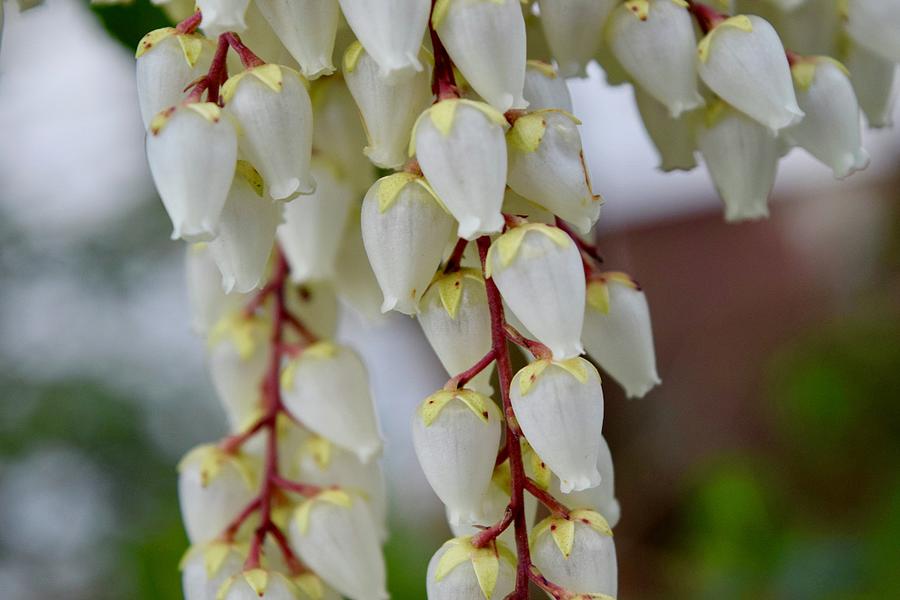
(213, 487)
(192, 151)
(391, 31)
(459, 571)
(338, 133)
(577, 553)
(538, 270)
(455, 317)
(873, 80)
(831, 129)
(545, 88)
(334, 534)
(742, 157)
(617, 332)
(254, 584)
(546, 165)
(486, 40)
(206, 567)
(167, 62)
(404, 229)
(311, 233)
(221, 16)
(388, 109)
(246, 232)
(875, 24)
(601, 499)
(742, 60)
(462, 152)
(307, 28)
(456, 435)
(354, 281)
(574, 30)
(275, 113)
(673, 138)
(326, 388)
(559, 406)
(208, 301)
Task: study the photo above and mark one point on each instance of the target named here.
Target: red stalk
(444, 82)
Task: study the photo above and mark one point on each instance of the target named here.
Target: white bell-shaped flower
(391, 31)
(259, 584)
(260, 36)
(404, 229)
(238, 355)
(311, 233)
(456, 434)
(334, 535)
(559, 406)
(213, 487)
(462, 152)
(192, 151)
(654, 42)
(743, 61)
(577, 553)
(830, 131)
(809, 26)
(327, 389)
(516, 204)
(208, 301)
(875, 24)
(618, 334)
(206, 567)
(246, 232)
(546, 165)
(274, 110)
(338, 132)
(574, 31)
(742, 158)
(307, 28)
(874, 81)
(455, 317)
(486, 40)
(315, 304)
(601, 499)
(539, 273)
(167, 62)
(355, 282)
(545, 88)
(388, 108)
(221, 16)
(459, 571)
(673, 138)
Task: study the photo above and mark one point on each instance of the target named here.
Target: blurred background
(766, 466)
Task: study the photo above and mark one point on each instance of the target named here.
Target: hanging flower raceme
(459, 570)
(545, 87)
(673, 138)
(267, 584)
(221, 16)
(205, 567)
(404, 229)
(574, 31)
(307, 28)
(601, 499)
(461, 149)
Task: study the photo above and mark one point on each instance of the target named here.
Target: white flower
(742, 157)
(831, 129)
(655, 43)
(256, 584)
(462, 152)
(313, 225)
(208, 301)
(275, 113)
(261, 38)
(545, 88)
(742, 60)
(213, 487)
(574, 30)
(334, 534)
(389, 109)
(246, 232)
(206, 567)
(315, 304)
(192, 151)
(539, 273)
(456, 435)
(459, 571)
(515, 204)
(601, 499)
(559, 406)
(873, 80)
(338, 133)
(673, 138)
(326, 388)
(618, 334)
(455, 317)
(391, 31)
(875, 24)
(486, 40)
(221, 16)
(579, 556)
(167, 62)
(307, 28)
(546, 165)
(354, 281)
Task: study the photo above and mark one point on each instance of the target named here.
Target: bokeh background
(766, 466)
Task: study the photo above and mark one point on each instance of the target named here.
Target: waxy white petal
(354, 281)
(206, 567)
(307, 28)
(338, 133)
(208, 301)
(455, 577)
(875, 24)
(574, 30)
(673, 138)
(221, 16)
(256, 584)
(545, 87)
(601, 499)
(590, 567)
(314, 303)
(874, 81)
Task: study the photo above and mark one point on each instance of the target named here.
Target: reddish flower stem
(247, 56)
(304, 489)
(234, 442)
(242, 516)
(218, 70)
(556, 591)
(706, 16)
(537, 349)
(443, 85)
(586, 248)
(491, 533)
(545, 498)
(190, 24)
(466, 376)
(300, 328)
(455, 259)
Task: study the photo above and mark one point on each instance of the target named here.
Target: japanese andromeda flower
(459, 571)
(253, 584)
(307, 28)
(673, 138)
(208, 301)
(875, 24)
(873, 78)
(206, 567)
(573, 29)
(545, 88)
(577, 553)
(220, 16)
(601, 499)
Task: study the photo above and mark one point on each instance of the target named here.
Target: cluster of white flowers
(475, 230)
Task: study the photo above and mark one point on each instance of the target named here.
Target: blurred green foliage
(128, 23)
